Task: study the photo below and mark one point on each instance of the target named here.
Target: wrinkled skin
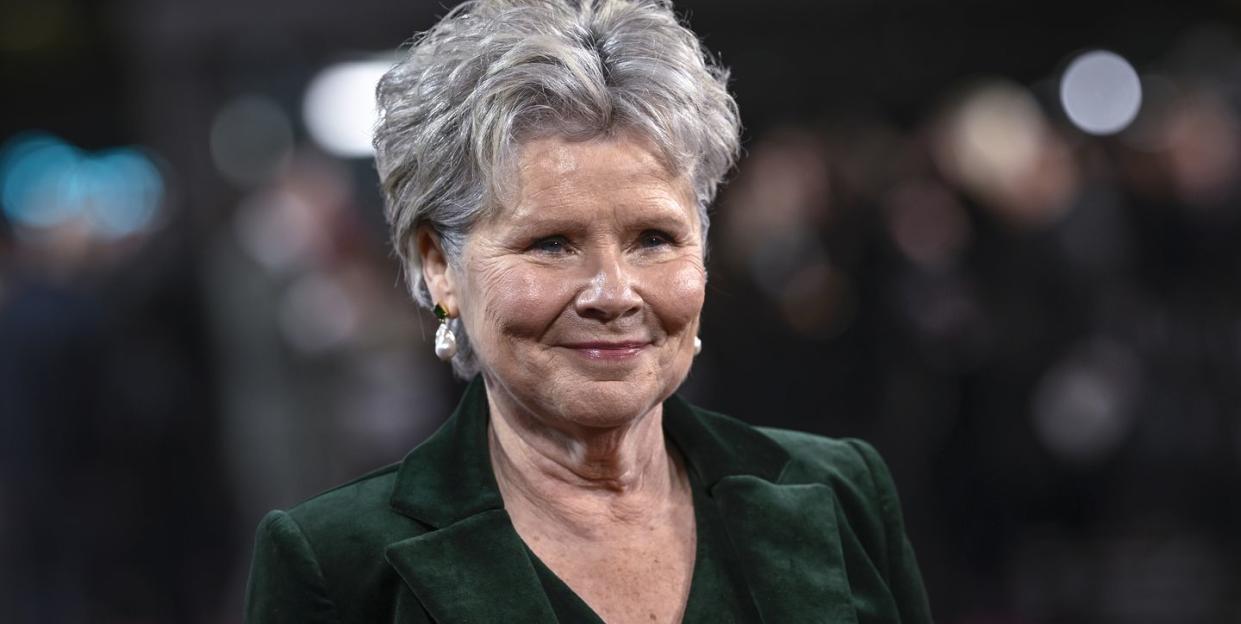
(597, 242)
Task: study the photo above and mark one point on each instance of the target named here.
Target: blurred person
(547, 168)
(113, 504)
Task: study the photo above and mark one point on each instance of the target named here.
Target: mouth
(606, 351)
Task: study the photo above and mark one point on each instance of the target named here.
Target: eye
(551, 245)
(654, 238)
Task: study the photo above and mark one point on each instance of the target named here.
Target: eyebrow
(655, 214)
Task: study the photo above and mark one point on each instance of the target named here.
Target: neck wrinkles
(581, 477)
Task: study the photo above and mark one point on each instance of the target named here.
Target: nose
(610, 293)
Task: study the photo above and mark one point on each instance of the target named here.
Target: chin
(603, 402)
(571, 389)
(607, 403)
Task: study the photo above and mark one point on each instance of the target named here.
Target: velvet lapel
(785, 536)
(475, 570)
(472, 566)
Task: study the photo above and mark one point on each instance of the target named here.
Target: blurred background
(1000, 240)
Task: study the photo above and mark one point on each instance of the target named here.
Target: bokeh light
(126, 190)
(1100, 92)
(35, 173)
(996, 134)
(251, 139)
(46, 182)
(1082, 407)
(996, 143)
(339, 107)
(316, 314)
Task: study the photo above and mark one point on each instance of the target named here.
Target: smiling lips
(608, 350)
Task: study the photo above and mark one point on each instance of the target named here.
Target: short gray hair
(494, 73)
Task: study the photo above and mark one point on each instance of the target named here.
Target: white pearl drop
(445, 343)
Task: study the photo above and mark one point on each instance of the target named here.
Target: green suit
(814, 522)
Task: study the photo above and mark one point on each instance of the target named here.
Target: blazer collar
(473, 566)
(449, 478)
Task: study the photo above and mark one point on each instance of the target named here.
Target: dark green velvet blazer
(814, 521)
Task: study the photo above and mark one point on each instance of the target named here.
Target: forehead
(555, 174)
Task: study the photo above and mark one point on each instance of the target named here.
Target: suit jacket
(815, 523)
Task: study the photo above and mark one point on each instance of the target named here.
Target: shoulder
(865, 512)
(357, 507)
(816, 458)
(350, 525)
(852, 467)
(801, 457)
(866, 498)
(329, 550)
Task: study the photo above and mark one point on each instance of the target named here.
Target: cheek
(676, 293)
(515, 300)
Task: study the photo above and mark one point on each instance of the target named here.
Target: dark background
(1044, 340)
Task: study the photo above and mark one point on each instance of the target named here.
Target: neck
(581, 477)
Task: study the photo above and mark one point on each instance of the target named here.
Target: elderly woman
(547, 167)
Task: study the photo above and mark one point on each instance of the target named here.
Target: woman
(547, 167)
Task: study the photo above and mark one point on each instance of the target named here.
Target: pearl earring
(445, 340)
(697, 345)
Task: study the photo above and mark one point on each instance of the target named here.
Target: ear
(436, 271)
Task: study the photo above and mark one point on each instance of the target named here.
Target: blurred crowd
(1041, 328)
(1038, 325)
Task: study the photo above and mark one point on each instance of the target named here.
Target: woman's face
(581, 295)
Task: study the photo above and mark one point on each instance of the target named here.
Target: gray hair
(494, 73)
